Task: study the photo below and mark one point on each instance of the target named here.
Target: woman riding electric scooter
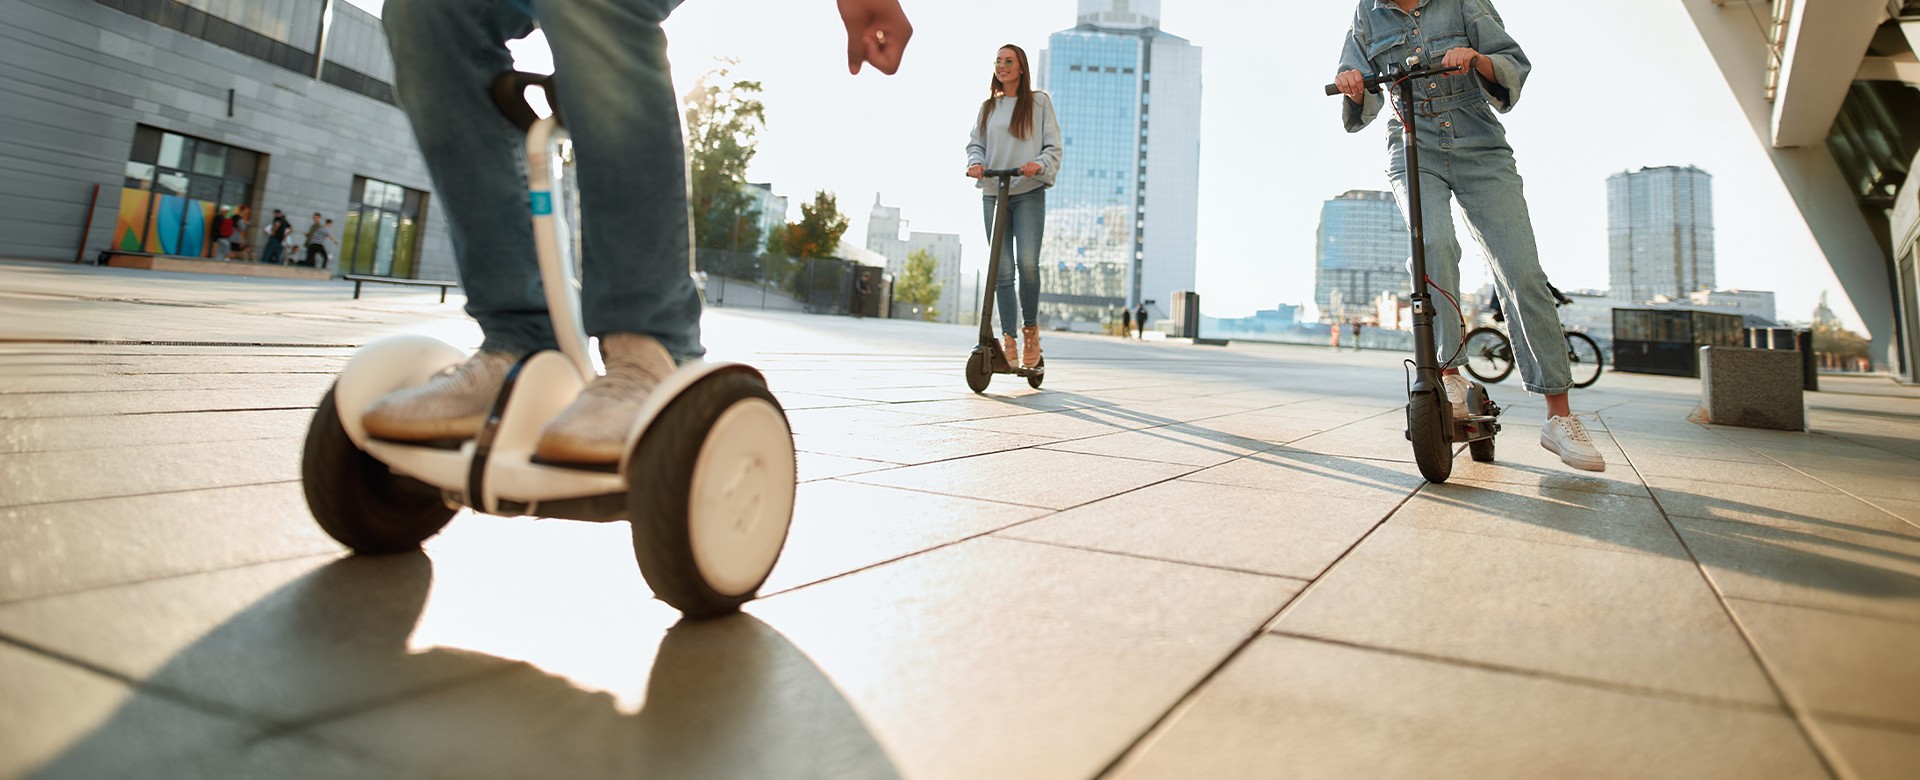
(1017, 129)
(1464, 153)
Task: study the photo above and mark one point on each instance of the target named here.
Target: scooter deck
(998, 361)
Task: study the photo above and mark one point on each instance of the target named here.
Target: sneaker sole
(1595, 464)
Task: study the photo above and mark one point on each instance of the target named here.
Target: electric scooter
(707, 480)
(988, 357)
(1431, 426)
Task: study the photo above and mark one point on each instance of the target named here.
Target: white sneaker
(1567, 438)
(1456, 387)
(451, 405)
(593, 429)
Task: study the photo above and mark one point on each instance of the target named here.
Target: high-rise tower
(1659, 233)
(1128, 98)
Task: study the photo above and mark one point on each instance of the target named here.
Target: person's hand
(977, 172)
(877, 32)
(1351, 84)
(1463, 58)
(1030, 169)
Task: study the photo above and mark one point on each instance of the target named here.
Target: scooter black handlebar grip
(1333, 89)
(1001, 172)
(509, 92)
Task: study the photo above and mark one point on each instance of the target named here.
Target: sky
(1272, 147)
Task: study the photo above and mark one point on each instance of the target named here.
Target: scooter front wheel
(358, 500)
(1427, 424)
(710, 489)
(979, 373)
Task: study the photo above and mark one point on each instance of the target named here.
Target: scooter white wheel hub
(741, 499)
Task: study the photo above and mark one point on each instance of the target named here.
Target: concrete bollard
(1752, 388)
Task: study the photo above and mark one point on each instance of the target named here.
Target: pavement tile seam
(211, 707)
(134, 583)
(1586, 682)
(1828, 608)
(42, 450)
(1803, 718)
(153, 492)
(999, 534)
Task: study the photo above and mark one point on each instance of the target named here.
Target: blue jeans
(1026, 224)
(1468, 159)
(618, 101)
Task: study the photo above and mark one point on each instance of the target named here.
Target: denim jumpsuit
(619, 104)
(1463, 154)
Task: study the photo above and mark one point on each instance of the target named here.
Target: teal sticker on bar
(542, 203)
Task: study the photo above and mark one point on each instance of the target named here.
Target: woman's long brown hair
(1022, 123)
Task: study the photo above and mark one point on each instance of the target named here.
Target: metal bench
(359, 279)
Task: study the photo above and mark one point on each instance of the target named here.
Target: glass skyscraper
(1128, 98)
(1360, 250)
(1659, 233)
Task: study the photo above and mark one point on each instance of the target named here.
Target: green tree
(918, 286)
(724, 120)
(818, 232)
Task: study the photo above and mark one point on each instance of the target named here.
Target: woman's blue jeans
(1487, 183)
(1026, 225)
(618, 102)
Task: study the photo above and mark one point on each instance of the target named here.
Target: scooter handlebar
(998, 172)
(1375, 81)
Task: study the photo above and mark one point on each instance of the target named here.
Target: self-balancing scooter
(988, 358)
(707, 479)
(1430, 422)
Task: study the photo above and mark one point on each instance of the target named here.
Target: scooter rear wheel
(1035, 380)
(358, 500)
(979, 373)
(1427, 424)
(710, 494)
(1478, 403)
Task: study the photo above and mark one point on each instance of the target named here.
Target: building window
(382, 232)
(174, 187)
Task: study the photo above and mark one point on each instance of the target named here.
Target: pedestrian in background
(1126, 323)
(1016, 128)
(277, 232)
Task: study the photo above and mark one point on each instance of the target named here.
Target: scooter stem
(552, 240)
(1425, 362)
(993, 261)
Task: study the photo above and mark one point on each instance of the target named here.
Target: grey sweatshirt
(998, 149)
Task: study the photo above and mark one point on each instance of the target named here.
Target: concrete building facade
(1829, 90)
(884, 236)
(131, 123)
(1659, 233)
(1128, 98)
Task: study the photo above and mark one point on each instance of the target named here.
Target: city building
(1360, 251)
(131, 123)
(1755, 305)
(772, 208)
(1659, 233)
(1128, 98)
(1828, 89)
(884, 226)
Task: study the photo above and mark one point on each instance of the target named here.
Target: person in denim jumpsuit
(1464, 155)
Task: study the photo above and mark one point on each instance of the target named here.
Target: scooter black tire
(1479, 403)
(356, 499)
(661, 501)
(979, 374)
(1427, 423)
(1035, 380)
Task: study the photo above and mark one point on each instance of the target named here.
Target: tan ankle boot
(1011, 347)
(1030, 349)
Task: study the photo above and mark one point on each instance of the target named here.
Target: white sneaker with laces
(1456, 387)
(451, 405)
(1567, 438)
(593, 429)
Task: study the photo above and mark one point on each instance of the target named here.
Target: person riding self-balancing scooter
(988, 358)
(697, 456)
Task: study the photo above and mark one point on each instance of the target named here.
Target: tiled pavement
(1174, 561)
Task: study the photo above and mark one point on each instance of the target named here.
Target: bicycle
(1489, 351)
